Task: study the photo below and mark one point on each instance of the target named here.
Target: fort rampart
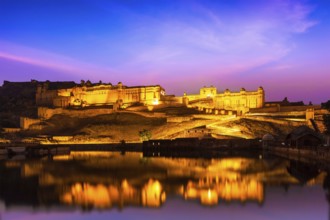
(46, 113)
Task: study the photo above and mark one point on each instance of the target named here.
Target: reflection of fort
(103, 181)
(106, 196)
(210, 191)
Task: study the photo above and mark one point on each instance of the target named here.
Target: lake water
(112, 185)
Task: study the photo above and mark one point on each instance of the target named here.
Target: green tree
(145, 135)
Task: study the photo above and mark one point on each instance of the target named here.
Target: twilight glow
(182, 45)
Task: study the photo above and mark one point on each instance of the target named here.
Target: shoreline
(176, 148)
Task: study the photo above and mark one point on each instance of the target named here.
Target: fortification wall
(62, 138)
(149, 114)
(171, 100)
(46, 113)
(277, 121)
(11, 130)
(87, 112)
(230, 100)
(26, 122)
(45, 97)
(214, 117)
(178, 119)
(192, 97)
(265, 110)
(136, 108)
(299, 108)
(281, 114)
(209, 110)
(278, 108)
(321, 111)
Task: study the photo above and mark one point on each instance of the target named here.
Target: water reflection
(94, 180)
(106, 196)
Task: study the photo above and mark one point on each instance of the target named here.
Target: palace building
(70, 94)
(98, 95)
(237, 101)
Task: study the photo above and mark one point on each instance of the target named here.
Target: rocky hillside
(126, 126)
(113, 127)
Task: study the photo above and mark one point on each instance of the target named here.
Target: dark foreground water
(110, 185)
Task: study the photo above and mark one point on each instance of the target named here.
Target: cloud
(202, 40)
(227, 41)
(297, 15)
(45, 59)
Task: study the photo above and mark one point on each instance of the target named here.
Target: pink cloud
(51, 60)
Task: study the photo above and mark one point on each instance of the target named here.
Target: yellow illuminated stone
(152, 194)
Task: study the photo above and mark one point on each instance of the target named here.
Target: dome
(268, 137)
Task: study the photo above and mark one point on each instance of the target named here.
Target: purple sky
(282, 45)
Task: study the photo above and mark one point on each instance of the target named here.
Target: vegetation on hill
(326, 117)
(16, 99)
(145, 135)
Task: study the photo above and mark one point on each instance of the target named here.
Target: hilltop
(109, 113)
(126, 125)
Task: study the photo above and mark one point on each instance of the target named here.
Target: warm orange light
(84, 194)
(124, 184)
(210, 189)
(209, 197)
(152, 194)
(155, 102)
(61, 157)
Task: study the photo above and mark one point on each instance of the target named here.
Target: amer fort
(86, 112)
(52, 98)
(121, 96)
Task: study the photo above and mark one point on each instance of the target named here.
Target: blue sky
(281, 45)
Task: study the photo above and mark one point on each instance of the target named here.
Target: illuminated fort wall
(242, 100)
(46, 113)
(103, 94)
(235, 100)
(26, 122)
